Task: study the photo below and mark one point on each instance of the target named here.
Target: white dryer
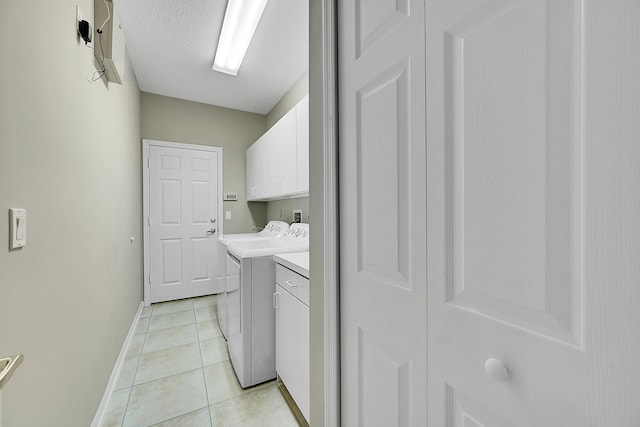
(251, 277)
(272, 229)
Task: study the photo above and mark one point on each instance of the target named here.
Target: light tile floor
(177, 373)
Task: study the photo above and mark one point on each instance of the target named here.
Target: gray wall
(298, 91)
(316, 206)
(176, 120)
(69, 154)
(283, 209)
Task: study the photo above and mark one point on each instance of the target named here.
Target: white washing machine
(251, 278)
(272, 229)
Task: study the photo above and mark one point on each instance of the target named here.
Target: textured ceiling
(172, 43)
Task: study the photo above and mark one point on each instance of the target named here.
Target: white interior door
(183, 222)
(382, 213)
(520, 199)
(532, 231)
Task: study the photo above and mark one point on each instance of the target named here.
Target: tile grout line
(204, 378)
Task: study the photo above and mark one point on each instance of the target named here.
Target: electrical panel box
(110, 44)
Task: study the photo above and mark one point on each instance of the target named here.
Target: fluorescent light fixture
(240, 22)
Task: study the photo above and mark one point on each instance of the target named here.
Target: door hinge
(149, 279)
(149, 221)
(148, 162)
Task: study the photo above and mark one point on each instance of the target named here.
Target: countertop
(298, 262)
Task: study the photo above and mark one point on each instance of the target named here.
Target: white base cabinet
(292, 335)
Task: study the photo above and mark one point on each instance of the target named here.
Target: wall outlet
(297, 215)
(80, 18)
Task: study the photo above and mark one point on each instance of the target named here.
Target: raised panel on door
(514, 190)
(382, 202)
(171, 265)
(302, 143)
(505, 224)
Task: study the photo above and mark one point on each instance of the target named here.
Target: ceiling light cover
(240, 22)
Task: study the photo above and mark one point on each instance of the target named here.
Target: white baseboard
(115, 373)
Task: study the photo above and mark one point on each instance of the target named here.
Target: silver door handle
(211, 231)
(8, 366)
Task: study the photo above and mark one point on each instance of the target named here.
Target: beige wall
(283, 209)
(316, 207)
(70, 155)
(176, 120)
(289, 100)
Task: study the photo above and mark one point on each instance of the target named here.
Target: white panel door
(519, 203)
(183, 223)
(382, 213)
(521, 273)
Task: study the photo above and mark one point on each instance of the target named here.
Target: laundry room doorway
(182, 187)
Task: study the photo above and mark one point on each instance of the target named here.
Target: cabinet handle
(276, 301)
(288, 282)
(496, 369)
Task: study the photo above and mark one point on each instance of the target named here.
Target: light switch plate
(227, 215)
(17, 228)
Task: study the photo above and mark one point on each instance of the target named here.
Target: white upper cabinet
(282, 175)
(302, 140)
(255, 161)
(278, 162)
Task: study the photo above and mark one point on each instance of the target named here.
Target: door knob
(496, 369)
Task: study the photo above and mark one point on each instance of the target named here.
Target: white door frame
(331, 241)
(146, 144)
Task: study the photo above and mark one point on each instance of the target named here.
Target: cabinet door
(255, 161)
(270, 177)
(292, 347)
(302, 143)
(282, 140)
